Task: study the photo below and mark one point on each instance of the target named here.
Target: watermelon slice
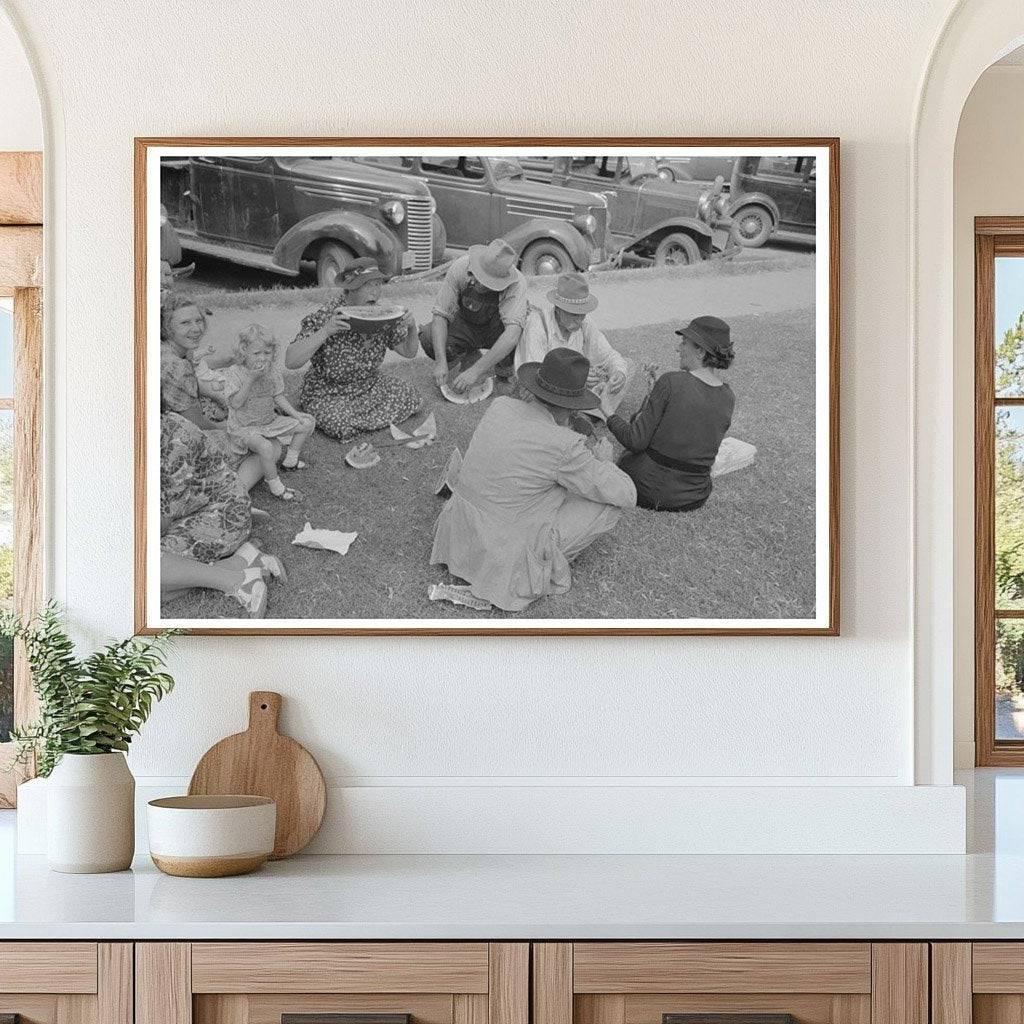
(362, 456)
(366, 319)
(477, 393)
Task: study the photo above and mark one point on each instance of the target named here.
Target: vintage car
(282, 214)
(480, 198)
(769, 194)
(694, 168)
(650, 220)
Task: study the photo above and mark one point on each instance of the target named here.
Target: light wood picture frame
(206, 244)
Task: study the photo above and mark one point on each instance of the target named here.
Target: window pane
(1009, 323)
(6, 349)
(442, 164)
(1009, 513)
(1009, 679)
(6, 566)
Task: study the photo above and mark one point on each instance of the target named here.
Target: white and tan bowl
(211, 836)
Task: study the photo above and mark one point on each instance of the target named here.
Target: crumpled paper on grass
(325, 540)
(424, 434)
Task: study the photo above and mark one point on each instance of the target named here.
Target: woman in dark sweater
(671, 443)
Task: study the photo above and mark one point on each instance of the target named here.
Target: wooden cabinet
(979, 982)
(259, 982)
(66, 982)
(496, 983)
(815, 982)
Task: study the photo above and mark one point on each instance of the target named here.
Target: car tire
(676, 250)
(331, 260)
(752, 226)
(545, 257)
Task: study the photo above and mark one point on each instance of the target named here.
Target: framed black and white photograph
(487, 386)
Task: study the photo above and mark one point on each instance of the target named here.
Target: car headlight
(393, 211)
(586, 223)
(705, 209)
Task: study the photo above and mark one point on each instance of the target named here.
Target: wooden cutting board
(262, 762)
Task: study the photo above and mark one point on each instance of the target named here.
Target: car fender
(365, 237)
(575, 244)
(738, 201)
(700, 232)
(440, 241)
(170, 245)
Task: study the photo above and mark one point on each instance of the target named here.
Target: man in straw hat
(566, 323)
(479, 315)
(530, 495)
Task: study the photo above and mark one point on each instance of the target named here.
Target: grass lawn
(749, 553)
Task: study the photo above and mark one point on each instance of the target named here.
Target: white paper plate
(477, 393)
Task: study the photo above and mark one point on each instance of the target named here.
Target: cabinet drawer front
(268, 1009)
(48, 967)
(998, 967)
(339, 967)
(721, 967)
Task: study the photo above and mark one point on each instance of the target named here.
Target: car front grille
(419, 217)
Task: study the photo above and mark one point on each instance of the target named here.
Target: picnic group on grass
(538, 482)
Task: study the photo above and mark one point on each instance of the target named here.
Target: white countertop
(532, 897)
(978, 896)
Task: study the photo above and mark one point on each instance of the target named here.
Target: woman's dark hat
(560, 380)
(708, 333)
(359, 271)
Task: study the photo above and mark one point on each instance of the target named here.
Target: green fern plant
(91, 705)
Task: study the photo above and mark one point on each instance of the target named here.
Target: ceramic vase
(90, 814)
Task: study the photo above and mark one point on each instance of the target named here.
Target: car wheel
(666, 174)
(545, 257)
(751, 226)
(676, 250)
(331, 261)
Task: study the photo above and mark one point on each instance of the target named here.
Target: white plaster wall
(988, 181)
(21, 125)
(745, 711)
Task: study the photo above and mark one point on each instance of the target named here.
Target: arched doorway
(976, 34)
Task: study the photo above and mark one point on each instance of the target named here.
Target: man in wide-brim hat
(479, 316)
(566, 323)
(530, 495)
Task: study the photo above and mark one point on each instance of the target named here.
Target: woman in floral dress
(344, 388)
(206, 519)
(182, 330)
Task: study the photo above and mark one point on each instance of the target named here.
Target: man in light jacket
(530, 495)
(566, 323)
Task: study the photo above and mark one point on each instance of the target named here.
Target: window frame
(993, 237)
(21, 252)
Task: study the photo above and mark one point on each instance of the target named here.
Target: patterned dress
(179, 386)
(344, 387)
(199, 493)
(259, 416)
